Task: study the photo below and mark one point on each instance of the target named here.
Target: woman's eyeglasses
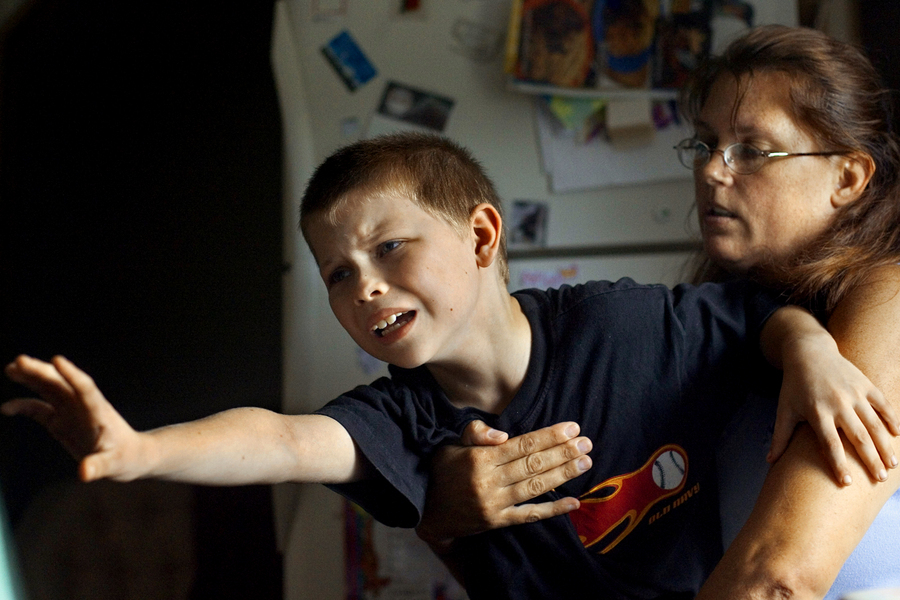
(740, 158)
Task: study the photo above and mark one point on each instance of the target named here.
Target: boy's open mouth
(393, 322)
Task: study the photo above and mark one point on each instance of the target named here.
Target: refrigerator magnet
(349, 61)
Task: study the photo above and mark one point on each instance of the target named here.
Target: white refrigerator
(336, 63)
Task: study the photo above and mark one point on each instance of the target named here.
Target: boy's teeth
(384, 323)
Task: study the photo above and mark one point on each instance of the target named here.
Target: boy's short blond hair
(440, 176)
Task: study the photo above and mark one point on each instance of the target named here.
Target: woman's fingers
(476, 488)
(526, 466)
(545, 469)
(479, 433)
(864, 441)
(873, 448)
(881, 434)
(785, 423)
(880, 404)
(861, 441)
(534, 443)
(532, 487)
(833, 447)
(531, 513)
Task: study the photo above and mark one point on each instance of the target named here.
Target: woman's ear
(486, 225)
(855, 172)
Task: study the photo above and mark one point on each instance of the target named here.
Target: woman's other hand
(482, 483)
(835, 397)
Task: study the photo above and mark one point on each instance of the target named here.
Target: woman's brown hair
(837, 97)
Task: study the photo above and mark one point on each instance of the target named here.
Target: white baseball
(668, 470)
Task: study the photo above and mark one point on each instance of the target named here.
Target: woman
(829, 231)
(796, 182)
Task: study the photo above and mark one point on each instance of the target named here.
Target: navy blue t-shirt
(651, 375)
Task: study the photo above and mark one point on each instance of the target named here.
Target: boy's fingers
(92, 467)
(103, 465)
(77, 379)
(80, 382)
(32, 408)
(41, 377)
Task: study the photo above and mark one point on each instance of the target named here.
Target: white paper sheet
(572, 165)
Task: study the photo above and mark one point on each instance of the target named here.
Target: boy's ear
(855, 172)
(486, 225)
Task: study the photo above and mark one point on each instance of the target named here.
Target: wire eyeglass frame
(741, 158)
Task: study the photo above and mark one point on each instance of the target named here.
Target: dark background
(879, 24)
(140, 235)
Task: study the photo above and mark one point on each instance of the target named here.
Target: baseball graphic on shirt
(668, 470)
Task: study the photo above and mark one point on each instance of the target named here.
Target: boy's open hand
(474, 488)
(74, 411)
(834, 396)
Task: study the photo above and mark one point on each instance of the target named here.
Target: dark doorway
(878, 29)
(140, 235)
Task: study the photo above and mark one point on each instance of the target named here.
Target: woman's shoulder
(880, 291)
(866, 326)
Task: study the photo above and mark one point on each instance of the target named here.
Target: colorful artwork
(391, 563)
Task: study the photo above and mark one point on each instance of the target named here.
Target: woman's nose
(716, 170)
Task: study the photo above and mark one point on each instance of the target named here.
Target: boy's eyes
(338, 275)
(381, 250)
(388, 246)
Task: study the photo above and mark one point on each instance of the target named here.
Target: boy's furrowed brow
(322, 263)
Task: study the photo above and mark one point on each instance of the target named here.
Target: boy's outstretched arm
(235, 447)
(822, 387)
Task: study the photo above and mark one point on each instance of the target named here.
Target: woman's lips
(715, 211)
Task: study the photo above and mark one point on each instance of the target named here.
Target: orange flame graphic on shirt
(625, 500)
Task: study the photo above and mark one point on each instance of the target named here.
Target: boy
(407, 234)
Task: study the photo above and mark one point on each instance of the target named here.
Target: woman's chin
(728, 258)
